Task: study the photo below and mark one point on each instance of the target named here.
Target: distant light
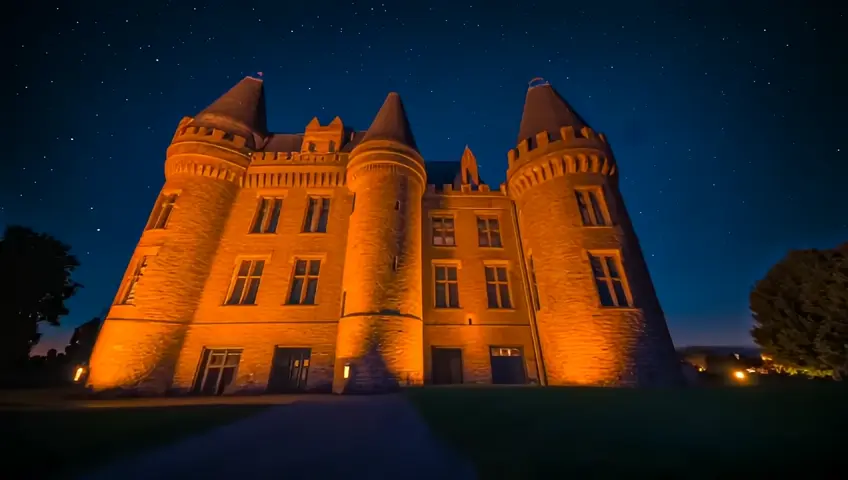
(346, 371)
(739, 374)
(78, 373)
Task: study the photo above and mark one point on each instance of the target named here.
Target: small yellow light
(78, 374)
(347, 371)
(739, 374)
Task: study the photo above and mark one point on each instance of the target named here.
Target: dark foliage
(800, 311)
(35, 270)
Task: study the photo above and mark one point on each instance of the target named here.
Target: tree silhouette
(35, 270)
(800, 311)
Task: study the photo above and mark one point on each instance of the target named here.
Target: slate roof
(391, 123)
(546, 110)
(244, 103)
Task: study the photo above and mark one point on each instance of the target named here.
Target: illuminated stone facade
(339, 260)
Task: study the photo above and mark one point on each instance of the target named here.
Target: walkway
(369, 437)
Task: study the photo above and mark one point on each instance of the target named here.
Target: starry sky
(727, 118)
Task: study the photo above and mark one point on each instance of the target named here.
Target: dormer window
(311, 146)
(332, 147)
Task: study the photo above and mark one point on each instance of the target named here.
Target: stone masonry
(553, 244)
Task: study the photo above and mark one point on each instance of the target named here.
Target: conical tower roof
(244, 104)
(391, 124)
(546, 110)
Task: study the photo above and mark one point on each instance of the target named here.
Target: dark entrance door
(507, 366)
(217, 372)
(447, 366)
(289, 370)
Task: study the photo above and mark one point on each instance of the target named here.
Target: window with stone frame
(497, 287)
(304, 284)
(128, 293)
(161, 211)
(317, 215)
(444, 231)
(446, 286)
(609, 280)
(489, 232)
(245, 284)
(590, 202)
(267, 215)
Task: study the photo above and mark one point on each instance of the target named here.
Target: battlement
(568, 138)
(187, 132)
(464, 189)
(297, 158)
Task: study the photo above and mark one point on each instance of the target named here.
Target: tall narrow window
(443, 231)
(447, 286)
(246, 283)
(534, 286)
(590, 203)
(488, 232)
(317, 214)
(304, 282)
(162, 211)
(267, 215)
(609, 280)
(128, 295)
(497, 287)
(332, 147)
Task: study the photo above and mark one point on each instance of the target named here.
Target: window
(128, 295)
(162, 211)
(246, 283)
(534, 286)
(591, 207)
(447, 286)
(488, 232)
(443, 231)
(506, 352)
(609, 280)
(267, 215)
(317, 213)
(311, 146)
(497, 287)
(217, 370)
(304, 282)
(332, 147)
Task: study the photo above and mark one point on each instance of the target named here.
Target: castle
(340, 260)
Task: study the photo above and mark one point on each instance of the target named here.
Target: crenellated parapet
(297, 158)
(464, 189)
(187, 133)
(537, 160)
(382, 155)
(207, 152)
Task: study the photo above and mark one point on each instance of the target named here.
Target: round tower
(141, 338)
(380, 337)
(598, 318)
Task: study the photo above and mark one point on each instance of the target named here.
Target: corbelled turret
(598, 317)
(380, 337)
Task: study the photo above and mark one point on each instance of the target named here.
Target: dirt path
(373, 437)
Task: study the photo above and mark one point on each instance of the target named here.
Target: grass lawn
(754, 432)
(47, 442)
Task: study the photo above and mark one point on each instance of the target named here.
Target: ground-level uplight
(739, 374)
(80, 371)
(347, 371)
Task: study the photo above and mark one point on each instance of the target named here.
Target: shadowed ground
(749, 432)
(376, 437)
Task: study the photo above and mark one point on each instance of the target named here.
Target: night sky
(727, 118)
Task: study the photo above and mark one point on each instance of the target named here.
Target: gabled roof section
(244, 104)
(546, 110)
(391, 124)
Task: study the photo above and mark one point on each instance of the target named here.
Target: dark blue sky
(727, 118)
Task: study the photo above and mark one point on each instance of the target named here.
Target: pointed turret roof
(244, 103)
(391, 124)
(546, 110)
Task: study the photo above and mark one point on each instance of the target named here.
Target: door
(217, 372)
(447, 366)
(289, 370)
(507, 366)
